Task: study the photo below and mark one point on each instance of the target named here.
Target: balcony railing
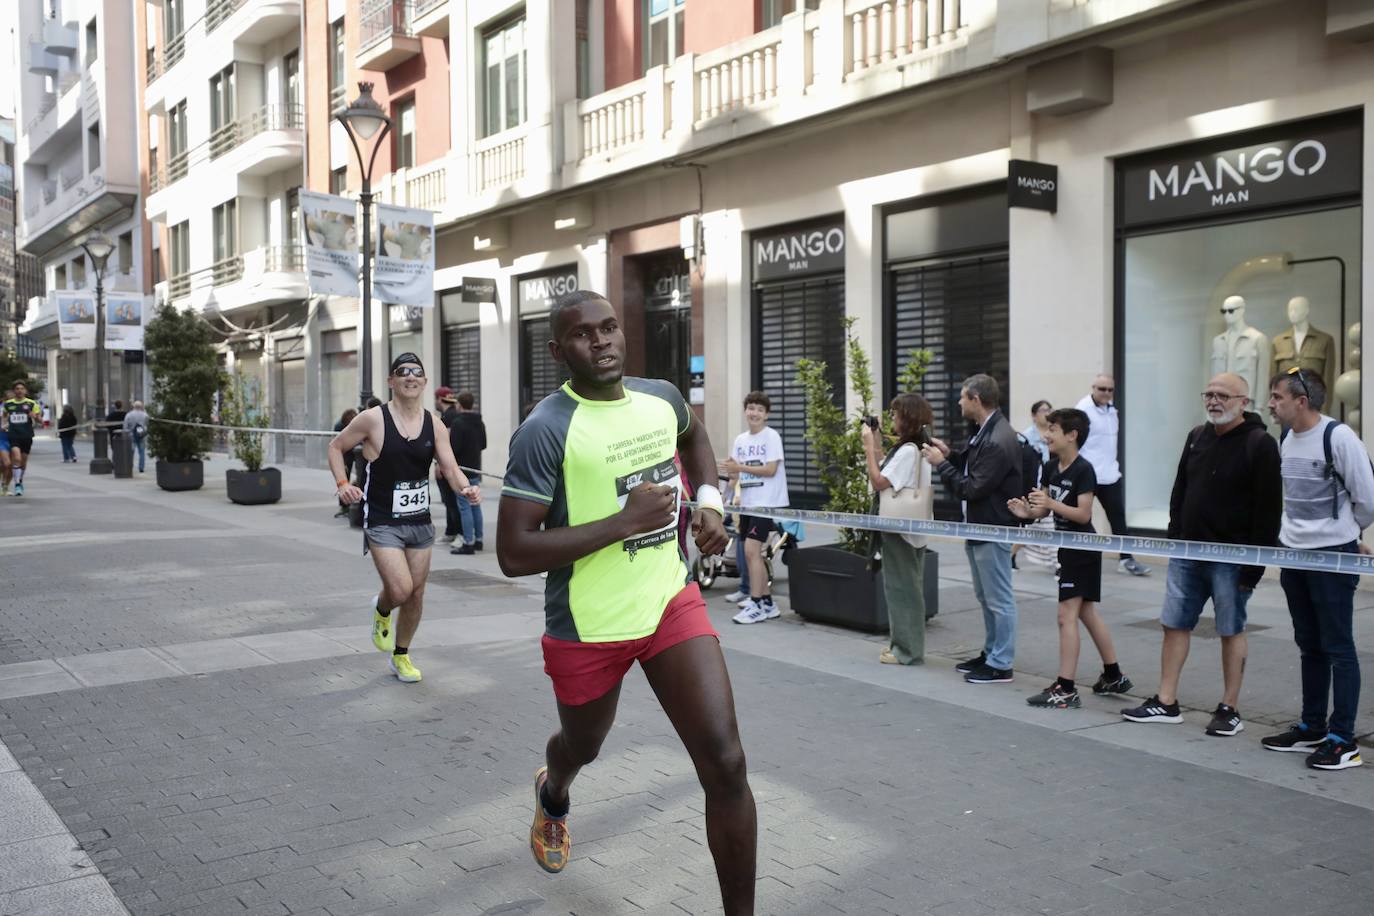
(289, 258)
(178, 166)
(884, 31)
(179, 286)
(424, 6)
(747, 77)
(269, 117)
(338, 99)
(174, 51)
(226, 271)
(70, 179)
(382, 19)
(218, 11)
(152, 64)
(427, 190)
(49, 192)
(499, 162)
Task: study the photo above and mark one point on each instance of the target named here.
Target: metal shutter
(795, 320)
(957, 310)
(463, 359)
(540, 375)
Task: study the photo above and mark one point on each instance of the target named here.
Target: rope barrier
(1240, 554)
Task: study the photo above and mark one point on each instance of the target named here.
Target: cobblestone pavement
(308, 780)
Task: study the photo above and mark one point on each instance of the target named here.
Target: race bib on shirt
(410, 497)
(664, 474)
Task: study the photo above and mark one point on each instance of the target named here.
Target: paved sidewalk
(189, 686)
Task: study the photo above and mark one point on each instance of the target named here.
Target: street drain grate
(1206, 627)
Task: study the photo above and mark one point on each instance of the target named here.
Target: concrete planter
(180, 475)
(253, 488)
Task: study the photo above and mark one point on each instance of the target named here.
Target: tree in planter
(243, 407)
(835, 436)
(186, 376)
(13, 369)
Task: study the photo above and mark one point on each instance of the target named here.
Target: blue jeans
(1190, 583)
(471, 517)
(68, 449)
(1322, 606)
(990, 565)
(141, 448)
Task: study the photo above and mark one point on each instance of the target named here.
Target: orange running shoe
(549, 840)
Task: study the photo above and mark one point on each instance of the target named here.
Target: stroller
(706, 570)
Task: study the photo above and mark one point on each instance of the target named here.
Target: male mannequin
(1305, 346)
(1240, 349)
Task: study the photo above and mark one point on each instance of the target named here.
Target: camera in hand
(871, 423)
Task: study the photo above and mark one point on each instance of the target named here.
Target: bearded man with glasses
(1227, 490)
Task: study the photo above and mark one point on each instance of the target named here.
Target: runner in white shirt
(756, 464)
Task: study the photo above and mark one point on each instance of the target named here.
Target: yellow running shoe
(549, 839)
(405, 671)
(383, 636)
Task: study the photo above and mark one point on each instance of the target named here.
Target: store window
(665, 28)
(798, 274)
(462, 341)
(536, 294)
(1236, 256)
(341, 378)
(504, 76)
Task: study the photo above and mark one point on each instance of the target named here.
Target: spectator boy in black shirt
(1068, 483)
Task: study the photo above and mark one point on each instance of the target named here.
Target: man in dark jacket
(447, 403)
(468, 435)
(984, 476)
(1229, 490)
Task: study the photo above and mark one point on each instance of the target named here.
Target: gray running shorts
(405, 537)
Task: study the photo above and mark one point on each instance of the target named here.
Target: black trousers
(452, 521)
(1113, 498)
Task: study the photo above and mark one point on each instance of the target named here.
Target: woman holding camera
(905, 490)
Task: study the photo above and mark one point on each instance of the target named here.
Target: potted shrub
(186, 377)
(838, 583)
(255, 485)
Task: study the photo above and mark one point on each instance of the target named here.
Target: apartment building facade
(77, 170)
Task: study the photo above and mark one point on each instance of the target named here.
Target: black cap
(403, 359)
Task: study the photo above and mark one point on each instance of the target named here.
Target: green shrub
(186, 377)
(243, 407)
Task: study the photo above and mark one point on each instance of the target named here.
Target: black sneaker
(973, 664)
(1105, 685)
(1055, 697)
(465, 550)
(1334, 754)
(1225, 722)
(986, 674)
(1152, 710)
(1298, 739)
(476, 545)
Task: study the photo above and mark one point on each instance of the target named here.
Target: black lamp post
(98, 248)
(362, 120)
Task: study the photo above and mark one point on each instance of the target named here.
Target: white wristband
(708, 497)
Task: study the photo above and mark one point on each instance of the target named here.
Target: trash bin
(122, 454)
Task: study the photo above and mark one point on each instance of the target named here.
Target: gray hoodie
(134, 418)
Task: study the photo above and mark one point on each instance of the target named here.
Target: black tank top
(396, 487)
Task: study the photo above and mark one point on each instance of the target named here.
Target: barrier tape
(1239, 554)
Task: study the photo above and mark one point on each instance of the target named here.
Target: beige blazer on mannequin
(1318, 354)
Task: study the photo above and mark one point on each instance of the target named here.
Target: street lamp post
(362, 120)
(98, 248)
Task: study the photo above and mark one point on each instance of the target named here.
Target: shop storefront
(667, 290)
(535, 296)
(405, 334)
(460, 315)
(946, 286)
(289, 386)
(1240, 254)
(340, 362)
(798, 313)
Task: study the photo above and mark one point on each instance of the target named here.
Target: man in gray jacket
(984, 476)
(136, 430)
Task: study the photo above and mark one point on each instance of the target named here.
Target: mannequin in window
(1304, 346)
(1240, 348)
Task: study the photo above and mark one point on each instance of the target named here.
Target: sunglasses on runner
(409, 372)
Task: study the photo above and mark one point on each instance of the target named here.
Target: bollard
(122, 452)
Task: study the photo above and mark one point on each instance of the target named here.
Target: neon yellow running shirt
(581, 458)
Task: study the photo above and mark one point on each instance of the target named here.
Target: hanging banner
(124, 321)
(403, 270)
(76, 319)
(331, 243)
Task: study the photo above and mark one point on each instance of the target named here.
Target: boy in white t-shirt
(756, 468)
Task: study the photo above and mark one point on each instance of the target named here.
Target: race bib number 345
(410, 497)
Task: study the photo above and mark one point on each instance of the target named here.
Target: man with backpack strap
(1227, 490)
(1328, 488)
(136, 428)
(984, 476)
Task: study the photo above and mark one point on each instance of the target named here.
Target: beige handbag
(910, 502)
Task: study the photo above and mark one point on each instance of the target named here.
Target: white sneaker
(753, 613)
(737, 596)
(770, 609)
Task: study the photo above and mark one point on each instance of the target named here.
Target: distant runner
(591, 497)
(21, 415)
(399, 446)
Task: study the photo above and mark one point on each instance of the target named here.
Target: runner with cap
(399, 444)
